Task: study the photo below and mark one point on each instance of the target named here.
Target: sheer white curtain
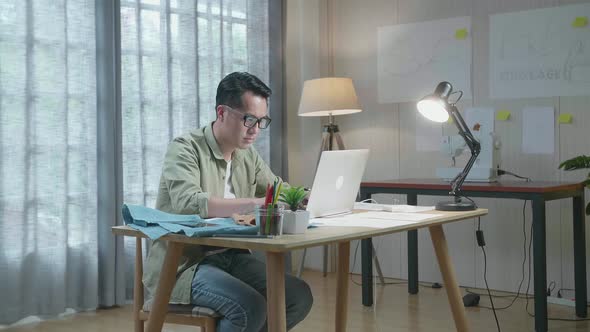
(173, 55)
(48, 149)
(67, 143)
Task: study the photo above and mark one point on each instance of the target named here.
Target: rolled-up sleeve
(182, 176)
(264, 175)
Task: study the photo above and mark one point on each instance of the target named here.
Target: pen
(244, 236)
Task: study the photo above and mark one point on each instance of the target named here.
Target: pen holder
(270, 221)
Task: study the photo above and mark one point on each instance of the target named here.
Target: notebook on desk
(337, 182)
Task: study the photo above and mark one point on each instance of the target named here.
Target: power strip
(561, 301)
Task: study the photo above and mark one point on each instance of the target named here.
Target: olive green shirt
(193, 171)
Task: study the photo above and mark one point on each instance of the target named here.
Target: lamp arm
(472, 143)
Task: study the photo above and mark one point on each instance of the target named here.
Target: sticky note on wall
(503, 115)
(580, 22)
(565, 118)
(461, 34)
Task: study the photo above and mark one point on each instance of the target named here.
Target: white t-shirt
(229, 188)
(227, 193)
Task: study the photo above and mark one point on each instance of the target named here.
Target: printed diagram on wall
(414, 58)
(540, 53)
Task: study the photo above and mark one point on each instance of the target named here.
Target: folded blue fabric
(155, 223)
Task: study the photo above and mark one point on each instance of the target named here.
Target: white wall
(350, 27)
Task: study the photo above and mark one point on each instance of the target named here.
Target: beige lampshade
(330, 95)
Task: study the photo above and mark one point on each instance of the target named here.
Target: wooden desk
(537, 191)
(275, 248)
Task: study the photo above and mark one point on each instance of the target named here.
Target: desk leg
(580, 255)
(342, 286)
(448, 273)
(367, 271)
(540, 264)
(275, 292)
(367, 264)
(412, 199)
(326, 251)
(165, 285)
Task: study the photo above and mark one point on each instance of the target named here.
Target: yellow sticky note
(461, 34)
(503, 115)
(580, 22)
(565, 118)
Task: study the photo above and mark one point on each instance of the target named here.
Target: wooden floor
(394, 310)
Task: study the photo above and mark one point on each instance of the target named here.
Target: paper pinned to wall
(538, 130)
(480, 119)
(428, 134)
(537, 53)
(413, 58)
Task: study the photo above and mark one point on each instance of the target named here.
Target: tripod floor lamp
(330, 96)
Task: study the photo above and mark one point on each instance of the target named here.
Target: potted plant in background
(295, 220)
(579, 162)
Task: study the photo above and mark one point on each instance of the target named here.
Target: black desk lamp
(436, 107)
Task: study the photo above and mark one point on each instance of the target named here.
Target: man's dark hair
(233, 86)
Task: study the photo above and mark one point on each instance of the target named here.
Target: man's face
(237, 133)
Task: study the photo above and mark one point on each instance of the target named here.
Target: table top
(500, 186)
(312, 237)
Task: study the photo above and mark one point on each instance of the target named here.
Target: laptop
(336, 183)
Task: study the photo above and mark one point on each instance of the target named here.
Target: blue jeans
(233, 283)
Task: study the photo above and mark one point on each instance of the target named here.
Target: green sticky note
(503, 115)
(580, 22)
(565, 118)
(461, 34)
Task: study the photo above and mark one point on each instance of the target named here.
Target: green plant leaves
(576, 163)
(292, 196)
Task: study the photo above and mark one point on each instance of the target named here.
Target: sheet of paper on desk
(373, 219)
(410, 208)
(348, 222)
(394, 215)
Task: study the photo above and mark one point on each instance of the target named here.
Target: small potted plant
(295, 221)
(579, 162)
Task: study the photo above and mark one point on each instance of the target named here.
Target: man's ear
(220, 112)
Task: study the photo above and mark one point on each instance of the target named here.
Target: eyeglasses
(250, 120)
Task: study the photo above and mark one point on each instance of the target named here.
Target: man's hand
(244, 219)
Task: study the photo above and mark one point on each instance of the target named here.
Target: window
(173, 54)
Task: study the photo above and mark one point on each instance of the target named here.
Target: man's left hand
(244, 219)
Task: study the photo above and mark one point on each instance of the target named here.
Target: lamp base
(456, 205)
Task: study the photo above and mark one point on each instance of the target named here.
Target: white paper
(428, 134)
(371, 223)
(394, 216)
(538, 130)
(413, 58)
(410, 208)
(538, 53)
(392, 208)
(480, 119)
(373, 219)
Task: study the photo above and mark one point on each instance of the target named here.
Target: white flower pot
(295, 222)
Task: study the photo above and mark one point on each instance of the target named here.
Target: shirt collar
(212, 142)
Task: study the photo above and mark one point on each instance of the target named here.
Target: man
(215, 172)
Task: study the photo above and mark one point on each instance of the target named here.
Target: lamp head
(435, 106)
(328, 96)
